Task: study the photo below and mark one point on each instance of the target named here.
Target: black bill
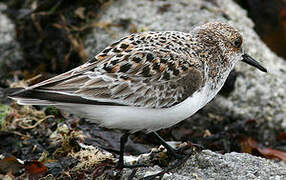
(249, 60)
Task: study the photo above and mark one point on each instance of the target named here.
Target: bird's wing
(134, 71)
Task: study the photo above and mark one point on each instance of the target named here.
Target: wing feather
(145, 74)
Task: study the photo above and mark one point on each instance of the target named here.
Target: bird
(146, 81)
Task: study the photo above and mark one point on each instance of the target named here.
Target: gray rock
(149, 16)
(211, 165)
(10, 52)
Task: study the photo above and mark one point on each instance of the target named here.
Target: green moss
(52, 110)
(4, 112)
(59, 120)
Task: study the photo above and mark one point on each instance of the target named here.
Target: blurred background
(270, 22)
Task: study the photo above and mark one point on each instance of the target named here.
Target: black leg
(120, 164)
(123, 140)
(170, 150)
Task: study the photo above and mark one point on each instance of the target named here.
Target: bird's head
(225, 44)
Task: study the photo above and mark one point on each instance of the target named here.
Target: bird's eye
(237, 42)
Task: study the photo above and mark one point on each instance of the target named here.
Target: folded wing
(128, 73)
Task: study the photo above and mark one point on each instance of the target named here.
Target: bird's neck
(218, 74)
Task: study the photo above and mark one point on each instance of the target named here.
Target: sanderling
(146, 81)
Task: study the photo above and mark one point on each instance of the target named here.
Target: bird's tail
(26, 97)
(47, 97)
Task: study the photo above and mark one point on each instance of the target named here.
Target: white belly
(136, 118)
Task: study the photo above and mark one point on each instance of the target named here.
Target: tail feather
(46, 97)
(27, 101)
(20, 95)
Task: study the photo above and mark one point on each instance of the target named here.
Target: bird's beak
(249, 60)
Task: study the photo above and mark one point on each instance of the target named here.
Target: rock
(10, 53)
(128, 16)
(211, 165)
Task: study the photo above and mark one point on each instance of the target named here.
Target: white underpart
(136, 118)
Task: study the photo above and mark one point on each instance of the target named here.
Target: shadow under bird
(145, 81)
